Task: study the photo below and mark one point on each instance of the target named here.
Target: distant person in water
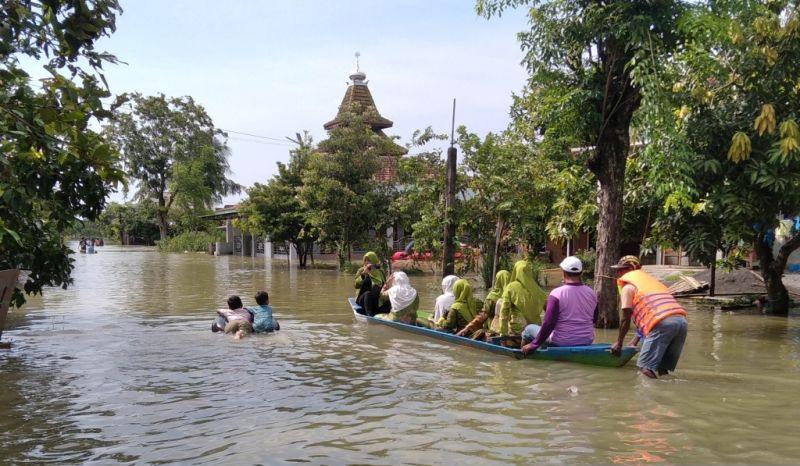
(403, 299)
(263, 320)
(82, 244)
(90, 246)
(236, 320)
(370, 279)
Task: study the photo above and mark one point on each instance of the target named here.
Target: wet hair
(234, 302)
(262, 298)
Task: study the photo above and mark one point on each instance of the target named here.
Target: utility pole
(448, 259)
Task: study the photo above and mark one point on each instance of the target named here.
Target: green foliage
(129, 223)
(340, 194)
(350, 267)
(188, 241)
(275, 210)
(419, 204)
(588, 259)
(55, 169)
(718, 201)
(174, 153)
(588, 64)
(510, 183)
(735, 167)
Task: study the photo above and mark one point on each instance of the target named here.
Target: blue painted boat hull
(596, 355)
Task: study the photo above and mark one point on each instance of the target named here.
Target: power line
(253, 135)
(266, 143)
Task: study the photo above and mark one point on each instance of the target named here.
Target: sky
(275, 68)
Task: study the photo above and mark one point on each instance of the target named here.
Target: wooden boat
(596, 355)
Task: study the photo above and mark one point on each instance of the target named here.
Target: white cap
(571, 264)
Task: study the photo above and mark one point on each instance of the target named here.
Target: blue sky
(275, 68)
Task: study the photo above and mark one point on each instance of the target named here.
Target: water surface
(122, 368)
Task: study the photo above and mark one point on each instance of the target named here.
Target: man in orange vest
(657, 315)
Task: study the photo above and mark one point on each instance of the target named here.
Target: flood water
(122, 368)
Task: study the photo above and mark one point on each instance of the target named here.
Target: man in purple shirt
(570, 315)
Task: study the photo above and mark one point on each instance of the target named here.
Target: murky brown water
(122, 368)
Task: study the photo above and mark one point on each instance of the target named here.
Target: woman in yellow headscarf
(501, 280)
(523, 303)
(462, 311)
(370, 278)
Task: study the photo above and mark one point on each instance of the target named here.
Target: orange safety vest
(652, 303)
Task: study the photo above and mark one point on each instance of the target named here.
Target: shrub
(188, 241)
(351, 267)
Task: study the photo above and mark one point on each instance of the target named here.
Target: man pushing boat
(655, 312)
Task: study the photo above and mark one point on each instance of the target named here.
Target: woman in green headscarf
(370, 278)
(473, 329)
(462, 311)
(523, 303)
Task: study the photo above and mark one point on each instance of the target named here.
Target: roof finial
(359, 77)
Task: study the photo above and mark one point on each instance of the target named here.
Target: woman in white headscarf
(403, 298)
(446, 299)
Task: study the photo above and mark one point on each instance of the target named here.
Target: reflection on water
(122, 367)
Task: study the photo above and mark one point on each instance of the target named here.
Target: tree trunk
(607, 162)
(496, 258)
(772, 268)
(162, 217)
(608, 248)
(712, 286)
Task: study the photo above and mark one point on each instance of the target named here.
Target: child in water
(238, 319)
(263, 320)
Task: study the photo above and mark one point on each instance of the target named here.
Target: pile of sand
(739, 281)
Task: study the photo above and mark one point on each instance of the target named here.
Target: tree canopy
(274, 208)
(343, 199)
(173, 152)
(55, 169)
(587, 62)
(730, 142)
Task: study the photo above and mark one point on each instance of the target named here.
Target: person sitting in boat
(475, 329)
(403, 299)
(263, 320)
(370, 279)
(523, 303)
(235, 320)
(462, 311)
(441, 305)
(570, 315)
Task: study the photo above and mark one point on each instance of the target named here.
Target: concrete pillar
(293, 259)
(268, 248)
(229, 230)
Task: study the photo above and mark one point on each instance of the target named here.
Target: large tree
(173, 152)
(274, 208)
(587, 60)
(54, 168)
(731, 148)
(340, 192)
